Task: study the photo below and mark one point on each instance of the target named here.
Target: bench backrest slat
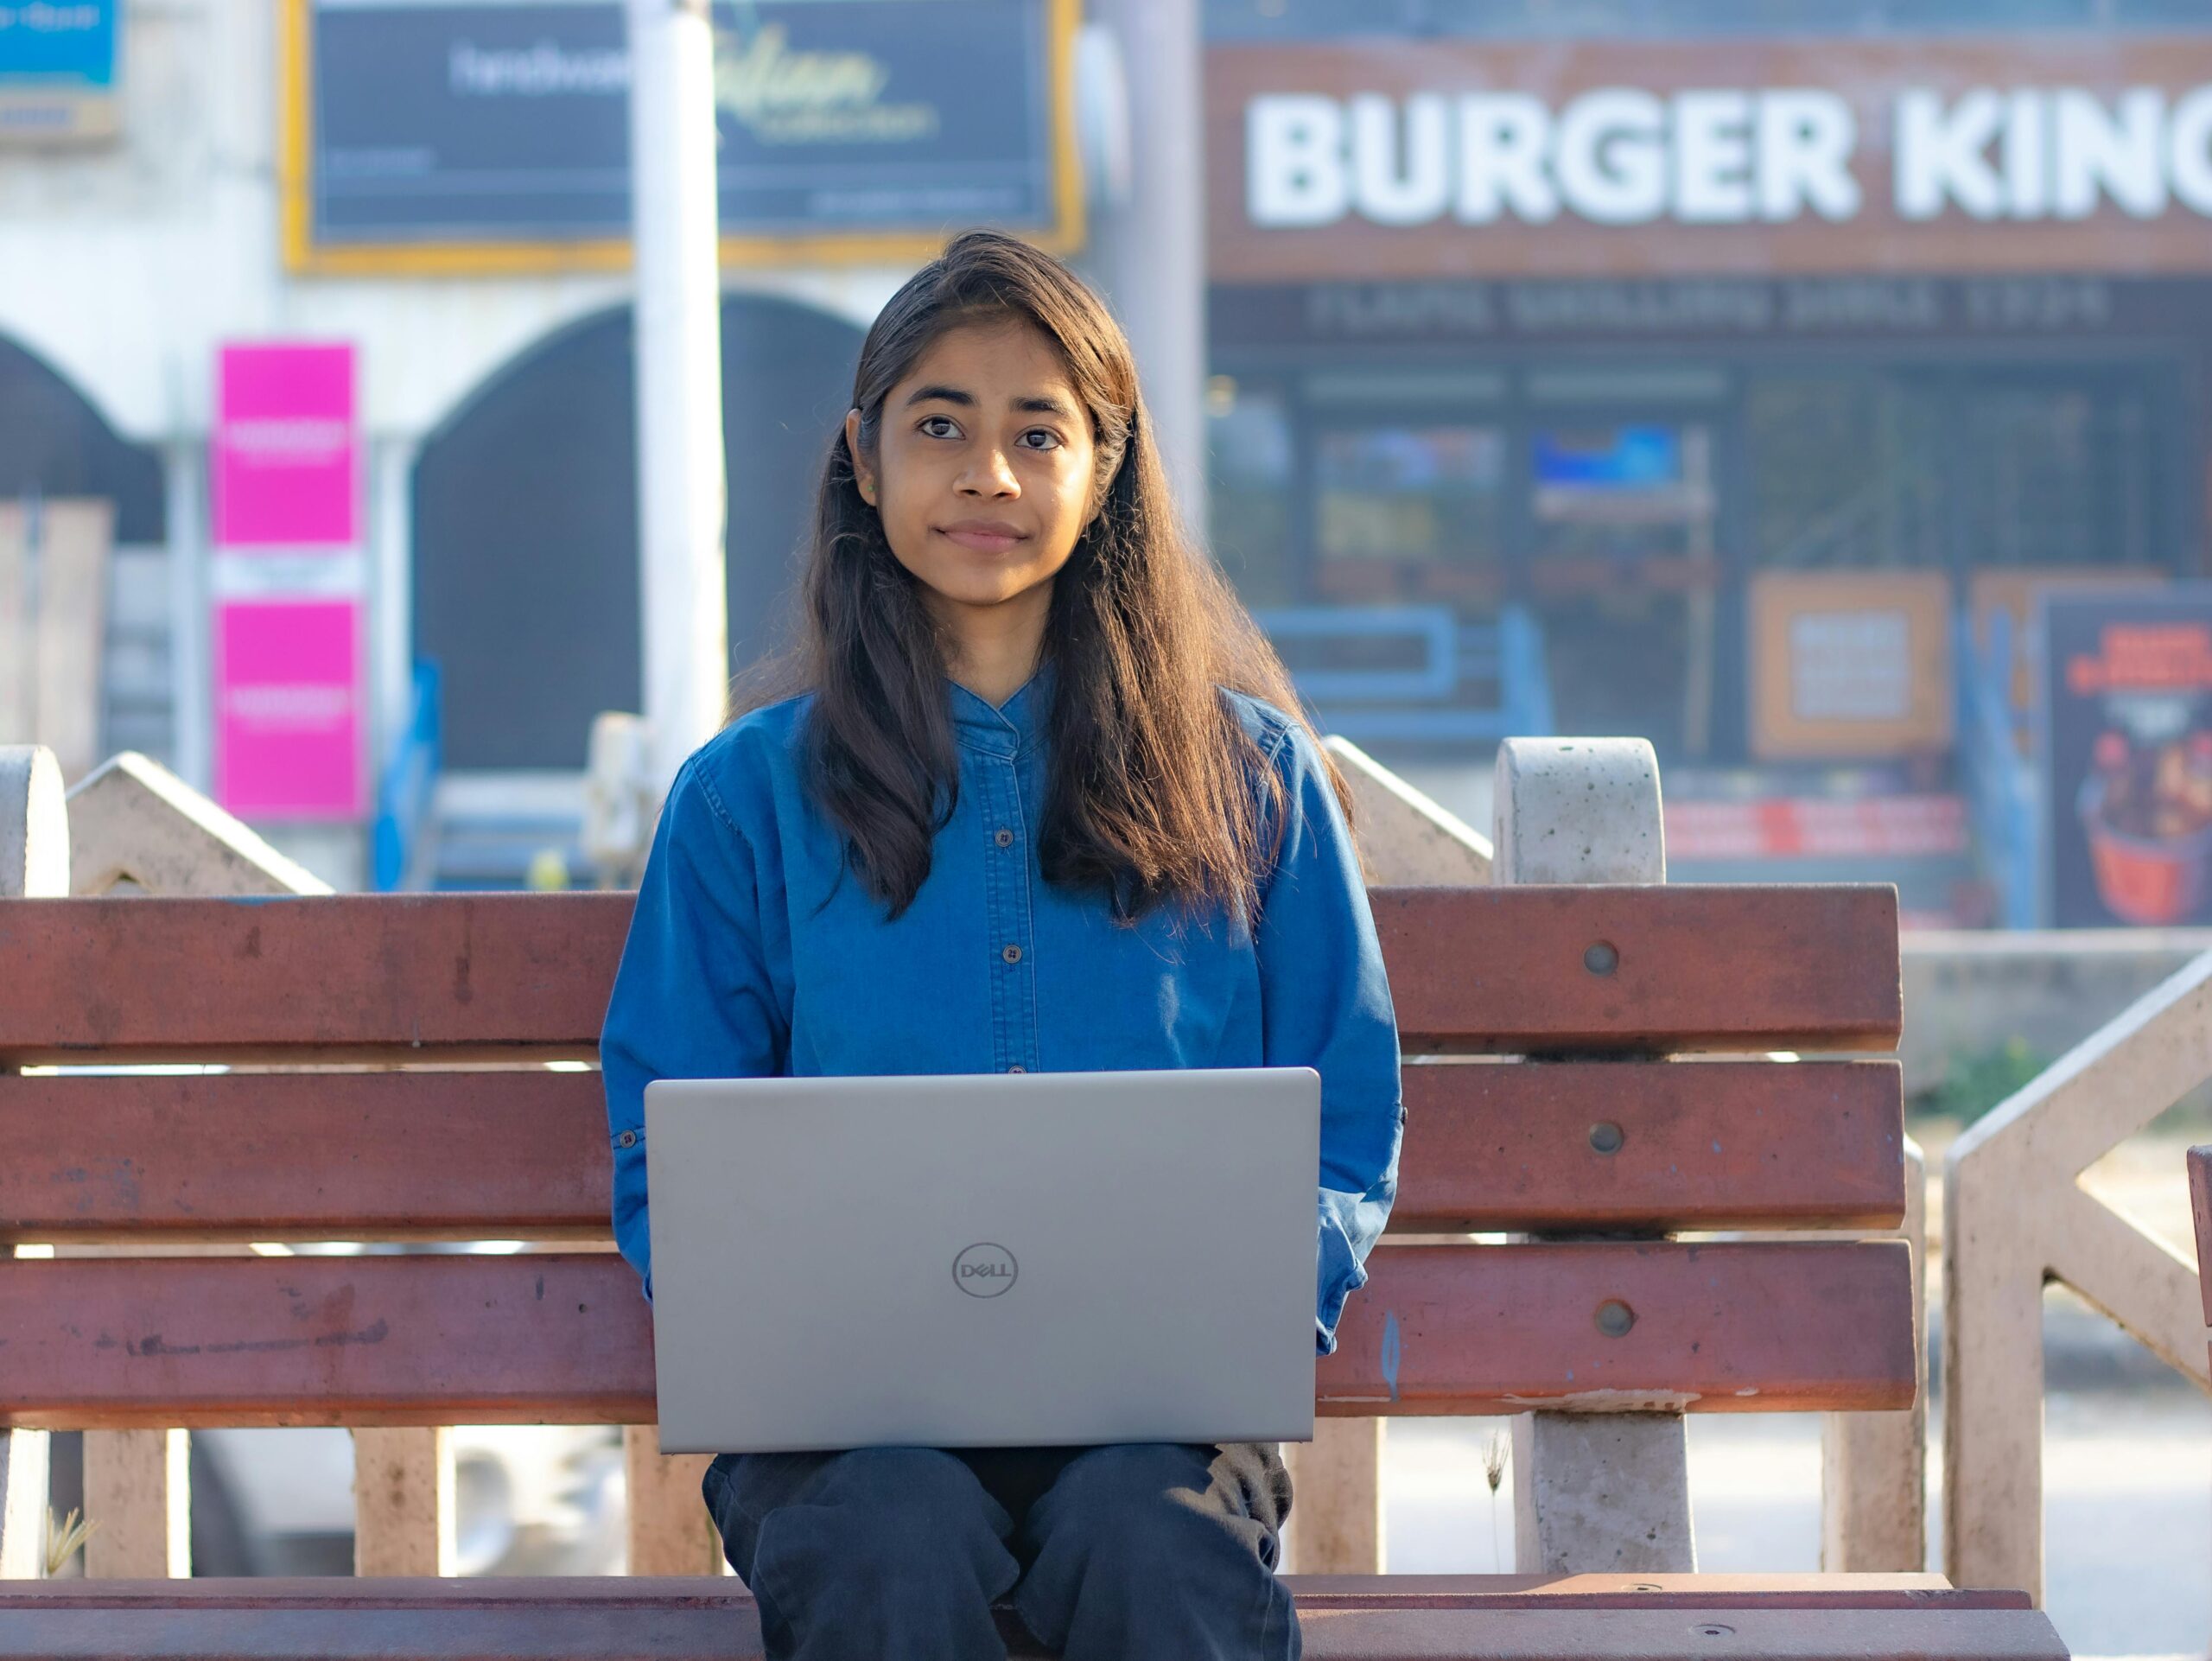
(522, 1154)
(1503, 971)
(564, 1338)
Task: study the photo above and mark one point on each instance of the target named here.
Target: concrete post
(2014, 1217)
(1874, 1466)
(1149, 256)
(670, 1531)
(1593, 1493)
(680, 474)
(33, 824)
(403, 1502)
(34, 864)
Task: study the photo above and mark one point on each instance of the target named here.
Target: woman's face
(982, 470)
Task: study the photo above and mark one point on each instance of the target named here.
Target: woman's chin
(980, 590)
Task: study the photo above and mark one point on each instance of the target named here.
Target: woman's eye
(937, 426)
(1052, 440)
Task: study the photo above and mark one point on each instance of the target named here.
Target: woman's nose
(990, 475)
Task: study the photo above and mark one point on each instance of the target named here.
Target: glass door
(1623, 573)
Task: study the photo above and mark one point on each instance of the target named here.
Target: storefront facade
(1732, 373)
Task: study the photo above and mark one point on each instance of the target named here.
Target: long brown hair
(1156, 791)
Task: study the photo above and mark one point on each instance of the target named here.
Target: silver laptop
(983, 1260)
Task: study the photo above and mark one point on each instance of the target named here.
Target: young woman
(1032, 795)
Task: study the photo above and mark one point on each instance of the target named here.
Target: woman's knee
(888, 1513)
(1152, 1505)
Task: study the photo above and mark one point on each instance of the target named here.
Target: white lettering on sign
(1721, 155)
(1617, 156)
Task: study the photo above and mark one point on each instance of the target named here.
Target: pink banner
(290, 727)
(286, 462)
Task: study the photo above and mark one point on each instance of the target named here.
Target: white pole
(680, 478)
(190, 669)
(1150, 255)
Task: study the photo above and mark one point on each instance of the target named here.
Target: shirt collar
(1011, 728)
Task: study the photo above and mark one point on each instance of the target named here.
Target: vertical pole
(391, 589)
(191, 673)
(1150, 254)
(680, 472)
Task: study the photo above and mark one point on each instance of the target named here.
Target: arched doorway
(525, 532)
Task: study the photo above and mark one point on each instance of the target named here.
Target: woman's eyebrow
(1035, 404)
(940, 394)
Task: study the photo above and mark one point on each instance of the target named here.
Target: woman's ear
(861, 477)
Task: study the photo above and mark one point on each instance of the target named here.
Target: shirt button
(629, 1139)
(1016, 1066)
(1004, 838)
(1012, 954)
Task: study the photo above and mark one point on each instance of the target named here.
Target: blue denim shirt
(747, 956)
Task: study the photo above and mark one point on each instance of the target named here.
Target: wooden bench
(397, 1004)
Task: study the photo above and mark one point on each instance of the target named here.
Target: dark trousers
(1126, 1553)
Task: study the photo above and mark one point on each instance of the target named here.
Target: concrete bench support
(1593, 1493)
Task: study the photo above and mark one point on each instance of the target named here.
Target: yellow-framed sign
(434, 137)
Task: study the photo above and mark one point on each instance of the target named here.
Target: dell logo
(985, 1271)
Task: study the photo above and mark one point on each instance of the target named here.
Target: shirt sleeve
(1325, 1004)
(692, 998)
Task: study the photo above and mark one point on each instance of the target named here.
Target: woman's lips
(982, 541)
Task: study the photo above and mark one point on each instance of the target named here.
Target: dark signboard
(495, 136)
(1698, 311)
(2126, 730)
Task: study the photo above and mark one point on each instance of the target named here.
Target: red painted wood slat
(1567, 1147)
(106, 1343)
(522, 1154)
(1727, 968)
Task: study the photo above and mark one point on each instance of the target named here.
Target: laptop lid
(983, 1260)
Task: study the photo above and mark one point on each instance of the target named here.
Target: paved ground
(2128, 1510)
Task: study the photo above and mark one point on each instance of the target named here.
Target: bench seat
(1344, 1618)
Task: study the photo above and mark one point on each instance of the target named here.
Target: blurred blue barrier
(408, 783)
(1429, 698)
(2001, 785)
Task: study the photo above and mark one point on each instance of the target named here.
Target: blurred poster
(285, 467)
(1850, 663)
(57, 71)
(494, 136)
(2126, 737)
(290, 712)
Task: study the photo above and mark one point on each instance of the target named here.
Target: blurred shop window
(1411, 512)
(2058, 475)
(1625, 576)
(1248, 489)
(1845, 474)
